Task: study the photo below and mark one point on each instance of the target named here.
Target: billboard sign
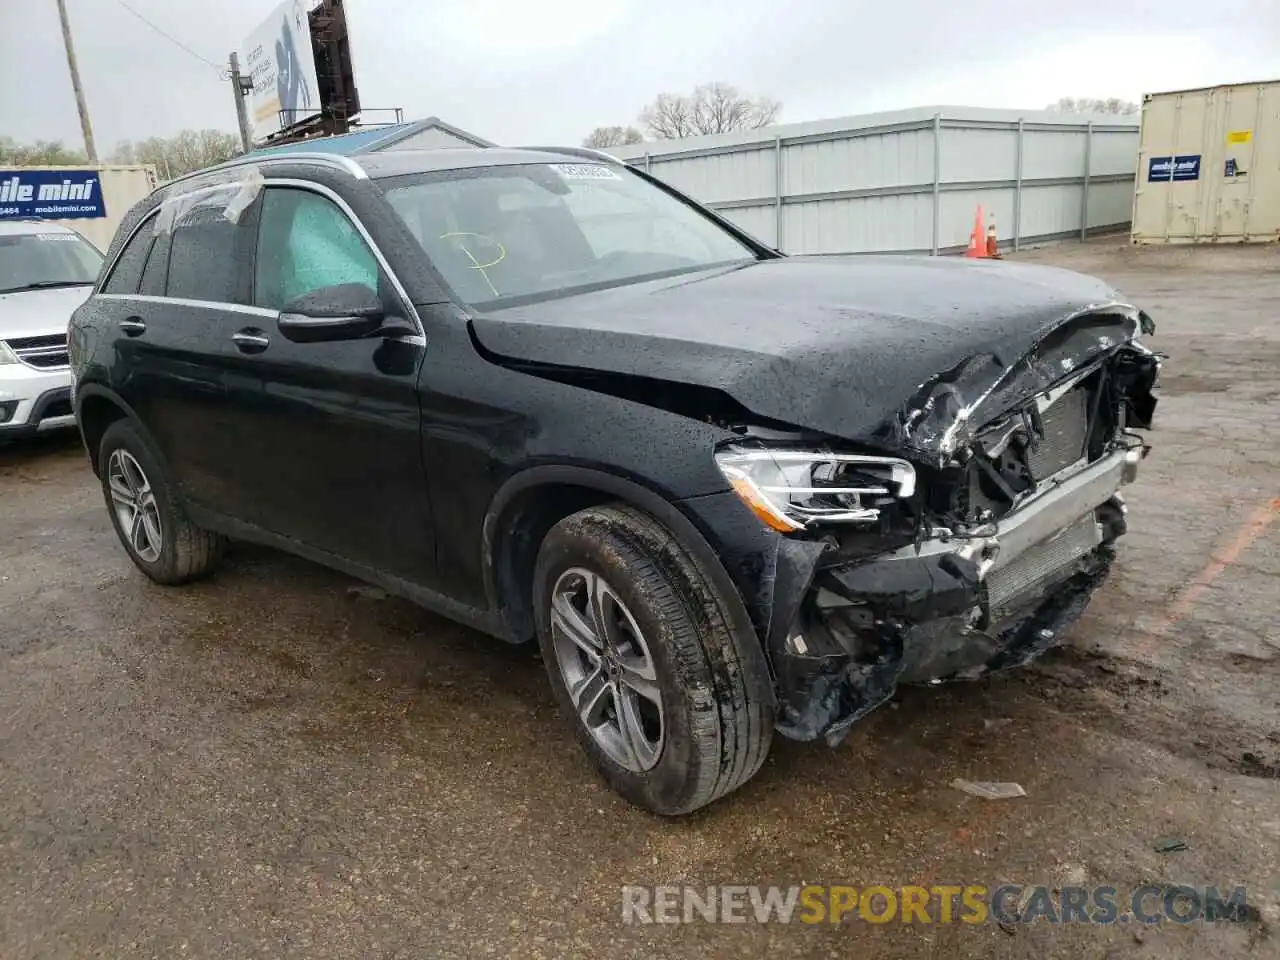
(51, 195)
(278, 56)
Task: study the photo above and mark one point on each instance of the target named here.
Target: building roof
(372, 139)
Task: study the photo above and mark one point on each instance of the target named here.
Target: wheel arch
(533, 501)
(97, 407)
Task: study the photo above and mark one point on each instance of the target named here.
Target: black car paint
(457, 426)
(838, 345)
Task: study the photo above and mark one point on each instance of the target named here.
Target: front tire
(146, 513)
(670, 701)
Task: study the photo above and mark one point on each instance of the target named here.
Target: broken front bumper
(842, 637)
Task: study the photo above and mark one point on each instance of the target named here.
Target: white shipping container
(1209, 166)
(122, 187)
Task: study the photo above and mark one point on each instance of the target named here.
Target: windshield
(30, 261)
(501, 235)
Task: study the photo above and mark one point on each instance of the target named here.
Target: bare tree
(42, 153)
(1112, 105)
(602, 137)
(186, 151)
(710, 108)
(669, 117)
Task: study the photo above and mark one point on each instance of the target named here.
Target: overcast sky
(549, 70)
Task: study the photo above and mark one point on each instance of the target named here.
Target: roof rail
(341, 161)
(584, 152)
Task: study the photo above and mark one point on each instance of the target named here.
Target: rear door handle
(250, 340)
(133, 326)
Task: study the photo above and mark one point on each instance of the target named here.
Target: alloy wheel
(607, 669)
(135, 506)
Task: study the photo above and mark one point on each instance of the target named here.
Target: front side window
(502, 235)
(306, 243)
(34, 261)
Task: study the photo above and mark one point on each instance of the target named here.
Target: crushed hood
(895, 351)
(35, 313)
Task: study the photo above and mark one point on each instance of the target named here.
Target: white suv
(46, 271)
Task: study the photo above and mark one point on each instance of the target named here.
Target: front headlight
(7, 355)
(792, 489)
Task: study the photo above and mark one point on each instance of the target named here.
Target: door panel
(329, 432)
(329, 436)
(162, 371)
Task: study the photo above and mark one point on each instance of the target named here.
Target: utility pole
(240, 86)
(89, 148)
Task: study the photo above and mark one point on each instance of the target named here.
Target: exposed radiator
(1066, 424)
(1008, 586)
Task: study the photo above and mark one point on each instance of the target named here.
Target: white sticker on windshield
(55, 237)
(584, 171)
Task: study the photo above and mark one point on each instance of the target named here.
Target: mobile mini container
(1209, 166)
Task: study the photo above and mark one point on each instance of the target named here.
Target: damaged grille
(1010, 586)
(1066, 426)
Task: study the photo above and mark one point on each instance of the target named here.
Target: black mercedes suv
(730, 492)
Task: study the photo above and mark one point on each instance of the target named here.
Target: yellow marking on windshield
(482, 267)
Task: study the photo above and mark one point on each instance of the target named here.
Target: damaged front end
(974, 546)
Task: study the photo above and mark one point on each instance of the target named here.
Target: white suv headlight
(792, 489)
(7, 355)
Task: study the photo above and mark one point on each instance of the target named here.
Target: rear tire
(146, 512)
(674, 706)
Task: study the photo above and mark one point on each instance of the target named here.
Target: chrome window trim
(368, 238)
(263, 311)
(199, 304)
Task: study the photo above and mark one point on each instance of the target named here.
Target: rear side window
(208, 255)
(127, 274)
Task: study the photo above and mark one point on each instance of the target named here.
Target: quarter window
(128, 269)
(306, 243)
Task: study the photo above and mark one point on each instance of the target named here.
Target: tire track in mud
(1158, 707)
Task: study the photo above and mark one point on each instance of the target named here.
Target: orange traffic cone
(977, 248)
(993, 251)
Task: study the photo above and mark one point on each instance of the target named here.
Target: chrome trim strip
(301, 320)
(200, 304)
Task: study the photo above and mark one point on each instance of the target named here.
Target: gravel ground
(266, 764)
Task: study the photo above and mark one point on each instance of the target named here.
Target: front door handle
(133, 326)
(250, 340)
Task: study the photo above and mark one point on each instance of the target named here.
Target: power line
(171, 39)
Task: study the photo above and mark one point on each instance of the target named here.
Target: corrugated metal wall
(909, 181)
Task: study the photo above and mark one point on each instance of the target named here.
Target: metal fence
(910, 181)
